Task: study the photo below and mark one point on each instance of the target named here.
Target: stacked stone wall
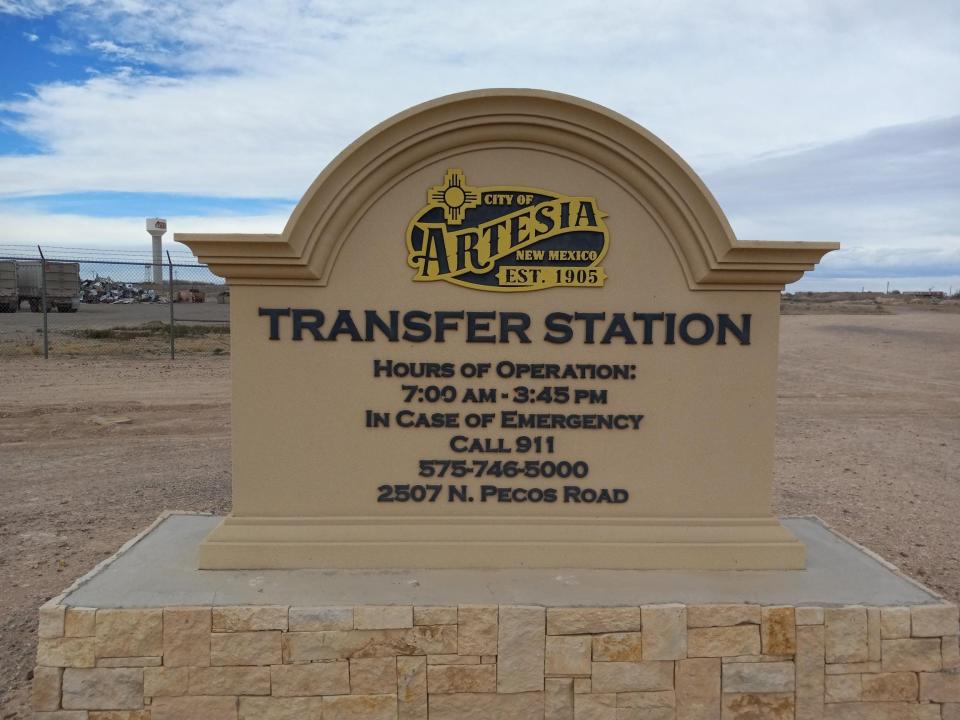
(485, 662)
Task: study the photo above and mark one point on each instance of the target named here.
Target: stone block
(843, 688)
(382, 617)
(778, 631)
(849, 668)
(596, 706)
(336, 644)
(186, 636)
(274, 708)
(951, 711)
(360, 707)
(373, 676)
(486, 659)
(950, 651)
(750, 678)
(592, 621)
(655, 713)
(136, 662)
(446, 679)
(845, 637)
(317, 619)
(809, 615)
(46, 688)
(80, 622)
(62, 715)
(933, 620)
(874, 634)
(889, 687)
(166, 681)
(411, 688)
(810, 672)
(722, 615)
(248, 618)
(325, 678)
(614, 677)
(558, 699)
(582, 685)
(664, 632)
(246, 648)
(435, 615)
(194, 708)
(757, 707)
(756, 658)
(723, 641)
(881, 711)
(457, 659)
(50, 623)
(941, 687)
(102, 689)
(521, 642)
(894, 623)
(129, 633)
(485, 706)
(618, 647)
(698, 689)
(647, 700)
(919, 654)
(66, 652)
(477, 629)
(119, 715)
(568, 654)
(230, 681)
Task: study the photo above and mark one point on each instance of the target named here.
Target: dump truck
(63, 285)
(9, 295)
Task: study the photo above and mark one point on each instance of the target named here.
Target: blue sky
(808, 120)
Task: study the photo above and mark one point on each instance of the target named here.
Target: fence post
(173, 351)
(43, 302)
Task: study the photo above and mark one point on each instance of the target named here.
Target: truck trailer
(9, 294)
(63, 285)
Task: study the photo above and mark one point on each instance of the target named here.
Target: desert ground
(868, 438)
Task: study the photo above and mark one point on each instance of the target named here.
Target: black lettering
(274, 314)
(648, 320)
(619, 328)
(589, 320)
(558, 328)
(300, 323)
(344, 325)
(417, 324)
(514, 322)
(479, 322)
(685, 328)
(374, 321)
(742, 333)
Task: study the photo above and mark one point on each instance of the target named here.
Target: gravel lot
(868, 438)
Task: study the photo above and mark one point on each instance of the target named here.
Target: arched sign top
(306, 252)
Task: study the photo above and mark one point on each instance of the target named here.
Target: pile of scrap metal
(106, 290)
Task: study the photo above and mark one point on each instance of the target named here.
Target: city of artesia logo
(507, 238)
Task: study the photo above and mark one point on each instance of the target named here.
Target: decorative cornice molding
(708, 252)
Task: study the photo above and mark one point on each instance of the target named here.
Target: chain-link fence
(69, 302)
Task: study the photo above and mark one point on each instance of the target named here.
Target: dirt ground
(868, 438)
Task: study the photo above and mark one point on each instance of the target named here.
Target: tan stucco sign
(504, 328)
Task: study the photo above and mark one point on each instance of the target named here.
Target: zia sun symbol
(454, 196)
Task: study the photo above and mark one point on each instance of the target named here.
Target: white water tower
(157, 227)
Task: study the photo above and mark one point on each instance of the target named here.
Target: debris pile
(107, 290)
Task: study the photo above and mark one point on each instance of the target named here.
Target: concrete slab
(159, 569)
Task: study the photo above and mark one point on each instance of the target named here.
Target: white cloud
(114, 51)
(262, 99)
(773, 102)
(31, 37)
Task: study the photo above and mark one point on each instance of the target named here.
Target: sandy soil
(868, 438)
